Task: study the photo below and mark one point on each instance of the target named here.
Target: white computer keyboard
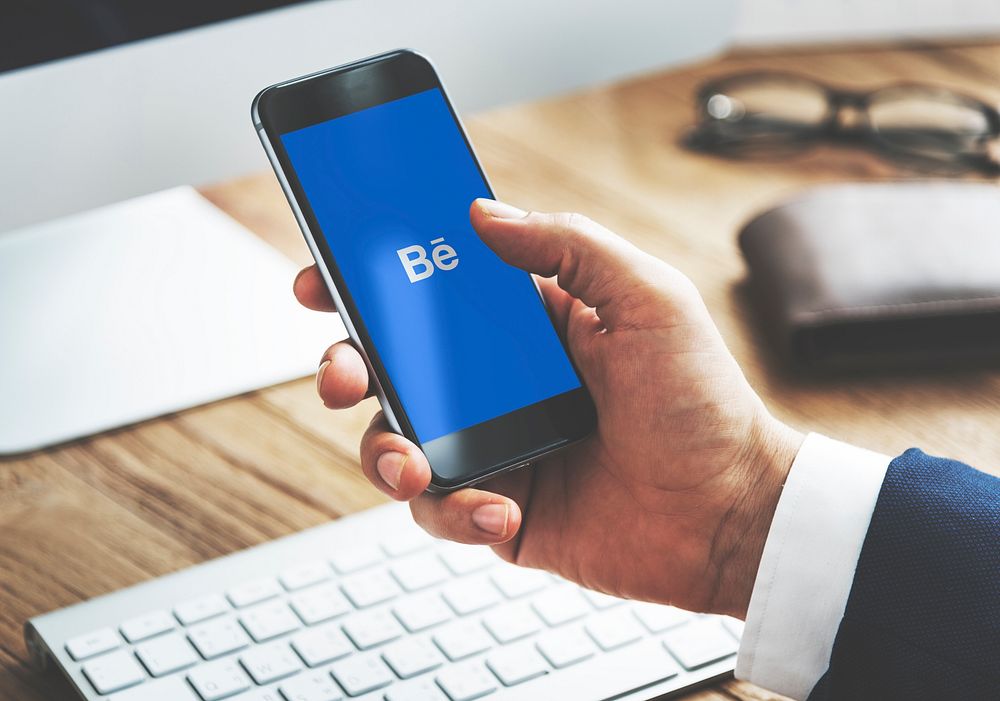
(370, 607)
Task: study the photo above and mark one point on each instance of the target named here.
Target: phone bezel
(503, 443)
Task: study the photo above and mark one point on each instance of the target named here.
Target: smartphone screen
(381, 174)
(463, 336)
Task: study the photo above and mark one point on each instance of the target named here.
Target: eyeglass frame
(838, 100)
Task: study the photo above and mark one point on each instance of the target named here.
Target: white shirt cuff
(807, 568)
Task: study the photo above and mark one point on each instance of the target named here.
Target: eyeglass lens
(926, 121)
(777, 110)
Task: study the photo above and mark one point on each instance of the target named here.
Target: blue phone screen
(463, 336)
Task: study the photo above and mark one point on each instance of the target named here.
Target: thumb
(601, 269)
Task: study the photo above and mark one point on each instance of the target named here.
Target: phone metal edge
(328, 279)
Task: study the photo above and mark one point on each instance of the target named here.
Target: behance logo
(419, 267)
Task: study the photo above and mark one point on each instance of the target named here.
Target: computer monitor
(171, 108)
(106, 101)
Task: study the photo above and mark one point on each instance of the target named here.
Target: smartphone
(464, 357)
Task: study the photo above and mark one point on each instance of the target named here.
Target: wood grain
(116, 509)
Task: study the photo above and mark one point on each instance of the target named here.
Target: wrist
(757, 481)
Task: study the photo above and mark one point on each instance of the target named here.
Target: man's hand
(672, 497)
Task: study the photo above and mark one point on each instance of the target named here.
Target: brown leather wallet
(880, 275)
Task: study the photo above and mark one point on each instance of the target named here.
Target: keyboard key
(83, 647)
(218, 637)
(566, 646)
(422, 612)
(614, 629)
(463, 559)
(304, 575)
(362, 673)
(514, 581)
(419, 571)
(320, 603)
(354, 559)
(416, 690)
(146, 626)
(370, 628)
(200, 609)
(268, 663)
(113, 672)
(412, 656)
(560, 605)
(169, 689)
(462, 639)
(253, 592)
(700, 642)
(370, 588)
(166, 654)
(321, 645)
(466, 681)
(406, 542)
(260, 695)
(600, 600)
(511, 623)
(218, 680)
(470, 595)
(311, 687)
(269, 620)
(658, 618)
(516, 664)
(610, 675)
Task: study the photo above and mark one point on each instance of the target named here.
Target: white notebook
(138, 309)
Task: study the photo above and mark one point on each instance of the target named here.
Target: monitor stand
(139, 309)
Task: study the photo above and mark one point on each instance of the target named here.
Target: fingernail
(390, 468)
(501, 210)
(492, 518)
(319, 375)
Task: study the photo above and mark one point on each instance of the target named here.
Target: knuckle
(682, 287)
(424, 515)
(579, 222)
(571, 222)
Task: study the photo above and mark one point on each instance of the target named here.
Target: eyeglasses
(753, 115)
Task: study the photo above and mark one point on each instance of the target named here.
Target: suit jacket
(923, 617)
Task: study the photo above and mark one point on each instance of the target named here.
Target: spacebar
(608, 675)
(169, 689)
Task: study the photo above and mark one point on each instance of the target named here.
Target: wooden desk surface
(120, 508)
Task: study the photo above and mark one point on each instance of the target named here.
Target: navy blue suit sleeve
(923, 617)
